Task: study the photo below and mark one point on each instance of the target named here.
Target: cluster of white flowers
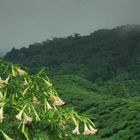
(88, 129)
(39, 92)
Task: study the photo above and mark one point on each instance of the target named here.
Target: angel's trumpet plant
(49, 107)
(76, 130)
(1, 115)
(1, 81)
(63, 124)
(25, 91)
(56, 101)
(35, 101)
(20, 71)
(27, 119)
(87, 131)
(93, 131)
(6, 80)
(25, 84)
(1, 96)
(74, 120)
(19, 115)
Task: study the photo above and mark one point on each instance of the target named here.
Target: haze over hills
(98, 74)
(103, 55)
(92, 63)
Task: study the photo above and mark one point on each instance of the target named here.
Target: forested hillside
(100, 56)
(97, 74)
(117, 118)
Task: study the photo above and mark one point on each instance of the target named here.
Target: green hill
(116, 118)
(103, 55)
(98, 74)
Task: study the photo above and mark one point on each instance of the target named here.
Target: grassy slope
(116, 118)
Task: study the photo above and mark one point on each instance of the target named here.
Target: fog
(23, 22)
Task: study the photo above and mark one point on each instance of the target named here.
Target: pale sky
(23, 22)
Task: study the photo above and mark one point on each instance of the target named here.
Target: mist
(29, 21)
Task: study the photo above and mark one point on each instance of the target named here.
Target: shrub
(30, 108)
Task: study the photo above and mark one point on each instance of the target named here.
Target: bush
(30, 108)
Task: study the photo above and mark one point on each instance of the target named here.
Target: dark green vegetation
(117, 118)
(31, 109)
(99, 74)
(103, 55)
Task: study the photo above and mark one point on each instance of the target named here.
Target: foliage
(97, 74)
(100, 56)
(30, 108)
(117, 116)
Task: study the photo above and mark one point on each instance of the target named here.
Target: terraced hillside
(116, 118)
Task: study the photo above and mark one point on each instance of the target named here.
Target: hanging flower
(56, 100)
(27, 119)
(93, 131)
(35, 101)
(1, 114)
(1, 96)
(76, 130)
(1, 81)
(20, 71)
(6, 80)
(25, 84)
(86, 130)
(49, 106)
(19, 115)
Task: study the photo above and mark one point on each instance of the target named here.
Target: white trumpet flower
(49, 106)
(86, 130)
(76, 130)
(1, 96)
(27, 119)
(25, 83)
(20, 71)
(6, 80)
(93, 131)
(35, 101)
(19, 115)
(1, 81)
(56, 100)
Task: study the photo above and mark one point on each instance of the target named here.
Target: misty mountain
(103, 55)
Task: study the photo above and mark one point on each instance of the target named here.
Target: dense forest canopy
(103, 55)
(30, 108)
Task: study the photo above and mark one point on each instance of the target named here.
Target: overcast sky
(23, 22)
